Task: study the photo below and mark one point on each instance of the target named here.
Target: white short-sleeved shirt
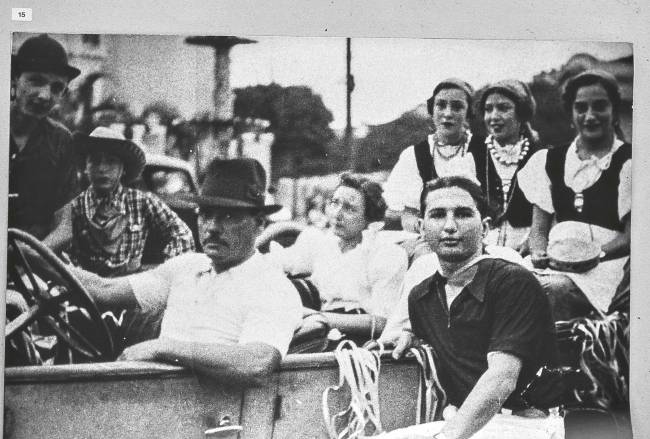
(251, 302)
(404, 185)
(422, 268)
(578, 175)
(368, 276)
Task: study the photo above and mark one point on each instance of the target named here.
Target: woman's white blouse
(404, 185)
(578, 175)
(368, 276)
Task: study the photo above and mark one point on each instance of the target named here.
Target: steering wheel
(45, 301)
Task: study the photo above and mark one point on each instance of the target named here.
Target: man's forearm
(250, 363)
(357, 324)
(484, 401)
(108, 293)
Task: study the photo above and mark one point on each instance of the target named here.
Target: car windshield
(163, 181)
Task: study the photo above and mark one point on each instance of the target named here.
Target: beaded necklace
(456, 149)
(508, 154)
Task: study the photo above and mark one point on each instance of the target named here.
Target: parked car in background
(170, 179)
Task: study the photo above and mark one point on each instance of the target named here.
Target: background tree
(381, 147)
(300, 122)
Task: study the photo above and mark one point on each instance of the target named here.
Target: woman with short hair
(357, 274)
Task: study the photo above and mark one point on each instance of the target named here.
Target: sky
(394, 75)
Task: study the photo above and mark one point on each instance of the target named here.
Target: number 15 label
(21, 14)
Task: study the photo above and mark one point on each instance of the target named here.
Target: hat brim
(19, 66)
(130, 153)
(229, 203)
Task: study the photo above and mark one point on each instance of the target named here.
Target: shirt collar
(471, 275)
(115, 197)
(601, 163)
(249, 264)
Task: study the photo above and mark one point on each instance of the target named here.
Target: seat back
(311, 336)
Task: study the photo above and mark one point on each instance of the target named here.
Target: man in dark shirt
(487, 320)
(42, 163)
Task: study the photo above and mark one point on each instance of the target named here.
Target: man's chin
(452, 255)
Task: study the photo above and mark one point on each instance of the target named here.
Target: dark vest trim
(600, 200)
(520, 210)
(424, 160)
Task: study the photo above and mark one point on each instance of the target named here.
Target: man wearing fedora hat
(42, 162)
(107, 225)
(228, 312)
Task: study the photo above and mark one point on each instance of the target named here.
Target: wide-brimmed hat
(235, 184)
(42, 54)
(112, 142)
(518, 92)
(452, 83)
(572, 247)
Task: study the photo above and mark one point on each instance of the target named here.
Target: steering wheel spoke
(19, 260)
(72, 337)
(23, 321)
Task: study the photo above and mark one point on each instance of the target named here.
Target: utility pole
(349, 81)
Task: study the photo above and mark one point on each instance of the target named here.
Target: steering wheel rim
(42, 302)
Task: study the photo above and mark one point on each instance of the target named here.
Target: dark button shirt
(42, 177)
(503, 308)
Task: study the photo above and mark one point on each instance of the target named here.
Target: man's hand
(410, 220)
(539, 260)
(405, 341)
(145, 351)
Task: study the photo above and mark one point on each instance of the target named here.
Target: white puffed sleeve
(534, 182)
(404, 185)
(625, 190)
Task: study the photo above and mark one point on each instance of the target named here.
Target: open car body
(144, 399)
(136, 400)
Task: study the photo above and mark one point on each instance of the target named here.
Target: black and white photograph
(256, 236)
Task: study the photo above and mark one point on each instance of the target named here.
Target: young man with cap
(107, 225)
(486, 319)
(42, 163)
(228, 312)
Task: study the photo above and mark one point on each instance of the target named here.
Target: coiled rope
(359, 368)
(431, 396)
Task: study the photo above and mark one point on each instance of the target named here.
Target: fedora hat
(235, 184)
(42, 54)
(110, 141)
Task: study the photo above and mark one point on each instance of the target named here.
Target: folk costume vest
(519, 211)
(600, 200)
(424, 159)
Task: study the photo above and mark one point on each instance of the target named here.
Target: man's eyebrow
(464, 209)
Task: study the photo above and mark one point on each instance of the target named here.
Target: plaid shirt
(145, 213)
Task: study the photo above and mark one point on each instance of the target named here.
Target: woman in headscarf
(443, 153)
(507, 107)
(586, 188)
